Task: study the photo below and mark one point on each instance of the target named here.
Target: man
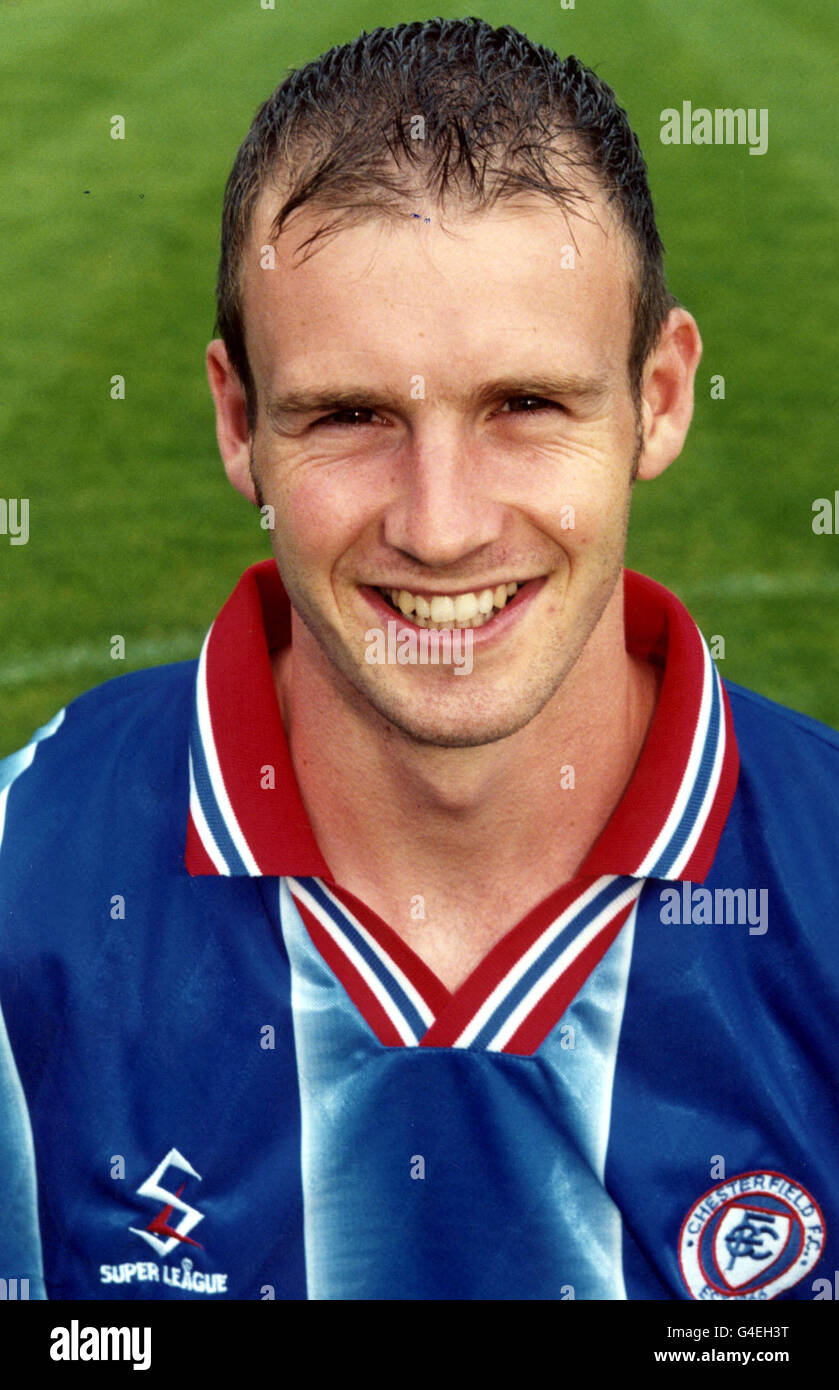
(506, 973)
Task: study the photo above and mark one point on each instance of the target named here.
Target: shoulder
(110, 745)
(787, 799)
(115, 711)
(771, 733)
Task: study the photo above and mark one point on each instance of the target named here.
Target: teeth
(443, 612)
(442, 609)
(465, 607)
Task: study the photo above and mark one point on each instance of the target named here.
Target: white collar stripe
(343, 918)
(692, 819)
(210, 813)
(585, 917)
(407, 1021)
(530, 959)
(658, 849)
(205, 834)
(218, 811)
(563, 962)
(709, 798)
(688, 812)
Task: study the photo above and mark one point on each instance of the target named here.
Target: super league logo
(160, 1234)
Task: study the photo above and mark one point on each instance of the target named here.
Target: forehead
(517, 285)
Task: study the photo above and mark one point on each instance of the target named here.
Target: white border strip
(561, 964)
(205, 729)
(205, 833)
(688, 782)
(711, 792)
(376, 986)
(521, 966)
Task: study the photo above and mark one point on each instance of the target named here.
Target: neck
(392, 816)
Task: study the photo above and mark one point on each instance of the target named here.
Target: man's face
(445, 413)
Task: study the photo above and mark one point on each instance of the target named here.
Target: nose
(443, 508)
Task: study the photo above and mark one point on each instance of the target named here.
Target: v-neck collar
(667, 825)
(512, 999)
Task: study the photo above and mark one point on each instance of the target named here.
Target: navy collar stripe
(218, 812)
(393, 991)
(207, 815)
(202, 829)
(520, 992)
(346, 926)
(699, 783)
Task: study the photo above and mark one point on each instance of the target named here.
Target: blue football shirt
(243, 1084)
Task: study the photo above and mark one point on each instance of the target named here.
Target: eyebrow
(583, 389)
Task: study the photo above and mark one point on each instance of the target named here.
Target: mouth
(472, 609)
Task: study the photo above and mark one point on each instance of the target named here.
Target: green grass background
(108, 264)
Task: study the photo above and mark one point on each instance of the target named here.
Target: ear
(667, 392)
(231, 419)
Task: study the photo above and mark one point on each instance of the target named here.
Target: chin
(450, 719)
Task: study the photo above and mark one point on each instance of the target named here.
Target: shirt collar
(246, 815)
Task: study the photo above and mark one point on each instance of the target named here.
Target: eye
(349, 416)
(529, 405)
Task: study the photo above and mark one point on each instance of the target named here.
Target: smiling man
(484, 988)
(453, 506)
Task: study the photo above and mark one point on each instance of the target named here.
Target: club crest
(750, 1237)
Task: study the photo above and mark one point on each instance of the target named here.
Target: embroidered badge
(750, 1237)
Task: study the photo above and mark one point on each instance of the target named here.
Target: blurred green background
(109, 256)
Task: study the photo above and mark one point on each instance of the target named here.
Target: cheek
(580, 498)
(318, 515)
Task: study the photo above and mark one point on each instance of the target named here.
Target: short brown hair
(496, 109)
